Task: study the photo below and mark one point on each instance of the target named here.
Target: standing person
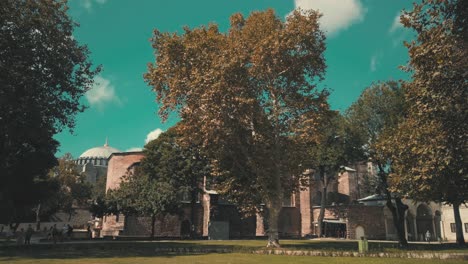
(54, 233)
(63, 232)
(20, 237)
(29, 233)
(428, 236)
(69, 231)
(88, 231)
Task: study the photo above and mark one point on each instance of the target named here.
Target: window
(466, 227)
(453, 228)
(288, 201)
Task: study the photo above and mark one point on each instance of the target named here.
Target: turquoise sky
(364, 44)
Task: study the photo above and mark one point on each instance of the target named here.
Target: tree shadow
(113, 249)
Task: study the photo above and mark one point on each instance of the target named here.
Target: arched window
(424, 222)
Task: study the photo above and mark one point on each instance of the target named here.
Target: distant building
(350, 212)
(93, 162)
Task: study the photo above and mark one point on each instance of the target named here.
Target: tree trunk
(193, 200)
(398, 215)
(398, 209)
(273, 214)
(458, 224)
(38, 219)
(323, 201)
(275, 202)
(153, 221)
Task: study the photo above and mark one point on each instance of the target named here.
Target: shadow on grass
(111, 249)
(107, 249)
(347, 245)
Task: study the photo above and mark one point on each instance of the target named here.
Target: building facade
(350, 212)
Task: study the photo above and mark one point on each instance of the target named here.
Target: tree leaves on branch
(248, 95)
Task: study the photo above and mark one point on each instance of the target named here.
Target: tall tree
(43, 73)
(74, 190)
(169, 171)
(373, 117)
(141, 195)
(247, 94)
(180, 165)
(433, 140)
(326, 155)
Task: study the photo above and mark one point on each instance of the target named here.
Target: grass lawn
(327, 245)
(116, 252)
(233, 258)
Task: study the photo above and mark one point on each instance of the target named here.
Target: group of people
(23, 237)
(59, 235)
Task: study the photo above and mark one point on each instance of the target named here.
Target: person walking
(29, 233)
(20, 237)
(428, 236)
(55, 233)
(69, 231)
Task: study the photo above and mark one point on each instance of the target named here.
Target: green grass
(233, 258)
(334, 245)
(116, 252)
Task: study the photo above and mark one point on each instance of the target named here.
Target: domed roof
(101, 152)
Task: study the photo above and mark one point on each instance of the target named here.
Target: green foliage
(44, 72)
(434, 137)
(169, 171)
(183, 166)
(430, 146)
(378, 109)
(140, 195)
(73, 190)
(326, 152)
(373, 118)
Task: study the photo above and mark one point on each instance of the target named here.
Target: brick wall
(305, 211)
(289, 222)
(118, 166)
(371, 218)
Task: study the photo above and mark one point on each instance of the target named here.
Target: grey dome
(99, 152)
(97, 156)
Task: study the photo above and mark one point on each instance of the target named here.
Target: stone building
(93, 162)
(350, 212)
(218, 219)
(448, 222)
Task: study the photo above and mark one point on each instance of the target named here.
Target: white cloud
(134, 149)
(337, 14)
(153, 135)
(373, 63)
(102, 92)
(88, 4)
(396, 24)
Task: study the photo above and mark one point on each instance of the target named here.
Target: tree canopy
(74, 190)
(430, 146)
(162, 180)
(43, 73)
(248, 94)
(140, 195)
(372, 119)
(326, 154)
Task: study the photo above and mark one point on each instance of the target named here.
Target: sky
(364, 45)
